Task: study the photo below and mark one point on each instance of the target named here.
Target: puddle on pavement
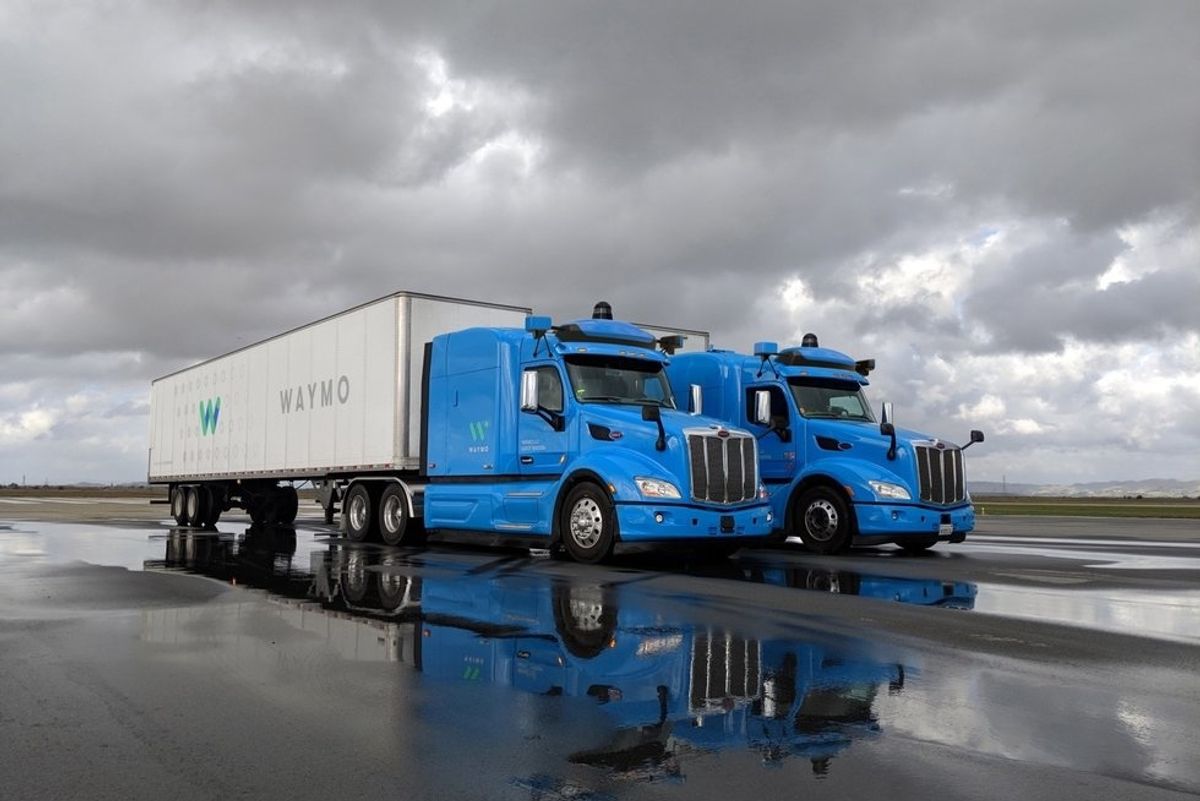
(641, 690)
(665, 689)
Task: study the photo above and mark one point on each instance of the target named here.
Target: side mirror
(695, 399)
(888, 428)
(976, 436)
(654, 413)
(529, 391)
(762, 407)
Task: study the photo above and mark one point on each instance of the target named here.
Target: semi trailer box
(340, 395)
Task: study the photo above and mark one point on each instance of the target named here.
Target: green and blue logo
(479, 430)
(210, 410)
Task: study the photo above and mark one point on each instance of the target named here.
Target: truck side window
(550, 389)
(779, 410)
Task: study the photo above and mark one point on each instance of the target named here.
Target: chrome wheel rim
(587, 610)
(177, 504)
(193, 505)
(821, 520)
(393, 514)
(587, 523)
(358, 513)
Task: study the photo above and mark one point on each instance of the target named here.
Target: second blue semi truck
(837, 476)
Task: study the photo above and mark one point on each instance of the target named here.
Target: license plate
(945, 529)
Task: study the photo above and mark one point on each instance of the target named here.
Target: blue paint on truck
(571, 434)
(837, 476)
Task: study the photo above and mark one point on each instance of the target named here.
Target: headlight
(886, 489)
(656, 488)
(762, 492)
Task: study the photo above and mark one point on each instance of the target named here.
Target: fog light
(895, 515)
(658, 517)
(770, 517)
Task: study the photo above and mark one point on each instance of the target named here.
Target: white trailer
(334, 401)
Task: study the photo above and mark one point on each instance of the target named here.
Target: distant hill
(1147, 488)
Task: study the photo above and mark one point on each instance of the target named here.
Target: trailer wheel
(358, 512)
(823, 518)
(589, 524)
(179, 505)
(393, 515)
(196, 506)
(213, 500)
(286, 504)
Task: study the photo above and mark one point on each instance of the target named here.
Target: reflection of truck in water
(837, 476)
(416, 413)
(923, 592)
(666, 687)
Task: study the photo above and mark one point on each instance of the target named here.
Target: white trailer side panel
(339, 395)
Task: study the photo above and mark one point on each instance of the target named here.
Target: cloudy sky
(999, 201)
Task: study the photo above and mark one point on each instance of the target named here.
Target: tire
(393, 515)
(358, 511)
(179, 505)
(213, 500)
(588, 524)
(917, 544)
(196, 507)
(822, 519)
(355, 580)
(585, 618)
(836, 582)
(286, 503)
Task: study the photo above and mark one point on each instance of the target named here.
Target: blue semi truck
(837, 476)
(416, 413)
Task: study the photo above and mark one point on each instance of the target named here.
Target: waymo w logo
(479, 430)
(210, 410)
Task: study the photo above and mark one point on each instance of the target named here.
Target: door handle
(526, 460)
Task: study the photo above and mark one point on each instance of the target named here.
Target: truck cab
(572, 434)
(837, 475)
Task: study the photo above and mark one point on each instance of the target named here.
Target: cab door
(542, 438)
(776, 457)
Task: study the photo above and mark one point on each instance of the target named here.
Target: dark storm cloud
(177, 179)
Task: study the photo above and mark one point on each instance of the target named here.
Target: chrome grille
(940, 474)
(724, 667)
(723, 469)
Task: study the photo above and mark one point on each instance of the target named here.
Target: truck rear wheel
(393, 515)
(823, 519)
(358, 510)
(589, 524)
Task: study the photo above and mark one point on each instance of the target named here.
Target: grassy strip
(1181, 509)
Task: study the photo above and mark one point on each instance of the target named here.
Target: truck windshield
(822, 397)
(619, 379)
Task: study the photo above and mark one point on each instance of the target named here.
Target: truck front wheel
(358, 510)
(588, 524)
(822, 517)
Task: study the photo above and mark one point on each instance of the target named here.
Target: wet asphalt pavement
(1042, 659)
